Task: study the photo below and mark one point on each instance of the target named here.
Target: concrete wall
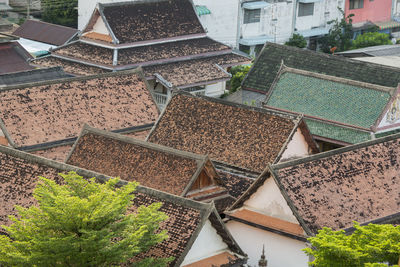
(373, 11)
(279, 250)
(215, 89)
(207, 244)
(297, 147)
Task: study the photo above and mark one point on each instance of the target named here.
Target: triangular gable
(390, 117)
(98, 28)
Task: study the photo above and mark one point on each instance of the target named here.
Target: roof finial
(262, 262)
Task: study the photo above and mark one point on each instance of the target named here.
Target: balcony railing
(162, 99)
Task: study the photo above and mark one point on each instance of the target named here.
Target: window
(354, 4)
(251, 15)
(306, 9)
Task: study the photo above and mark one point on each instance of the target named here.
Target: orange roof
(269, 222)
(217, 260)
(98, 36)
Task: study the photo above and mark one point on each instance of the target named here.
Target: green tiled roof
(267, 65)
(335, 132)
(328, 99)
(202, 10)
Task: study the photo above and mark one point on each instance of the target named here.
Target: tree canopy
(61, 12)
(371, 39)
(81, 223)
(373, 245)
(297, 40)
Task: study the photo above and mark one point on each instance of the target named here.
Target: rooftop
(13, 58)
(267, 65)
(40, 114)
(30, 76)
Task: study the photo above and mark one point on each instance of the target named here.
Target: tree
(340, 34)
(81, 223)
(370, 245)
(371, 39)
(61, 12)
(238, 74)
(297, 40)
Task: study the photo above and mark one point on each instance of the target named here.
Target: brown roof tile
(86, 52)
(221, 259)
(98, 36)
(18, 178)
(144, 20)
(239, 135)
(236, 184)
(58, 153)
(151, 165)
(13, 58)
(333, 189)
(56, 110)
(70, 67)
(45, 32)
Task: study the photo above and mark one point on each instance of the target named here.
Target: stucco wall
(216, 89)
(297, 147)
(207, 243)
(279, 250)
(373, 11)
(100, 27)
(268, 200)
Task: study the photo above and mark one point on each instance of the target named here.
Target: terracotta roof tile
(151, 165)
(70, 67)
(355, 183)
(236, 184)
(45, 32)
(98, 36)
(18, 178)
(58, 153)
(140, 21)
(86, 52)
(53, 111)
(239, 135)
(221, 259)
(268, 222)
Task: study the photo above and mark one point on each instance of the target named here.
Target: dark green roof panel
(328, 100)
(267, 65)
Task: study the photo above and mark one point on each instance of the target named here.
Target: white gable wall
(297, 147)
(279, 250)
(100, 27)
(207, 244)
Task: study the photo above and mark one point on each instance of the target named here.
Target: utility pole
(28, 8)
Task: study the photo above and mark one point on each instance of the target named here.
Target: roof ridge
(141, 189)
(32, 70)
(128, 3)
(333, 152)
(327, 77)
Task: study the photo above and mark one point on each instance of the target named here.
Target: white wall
(207, 244)
(297, 147)
(215, 89)
(279, 250)
(100, 27)
(268, 200)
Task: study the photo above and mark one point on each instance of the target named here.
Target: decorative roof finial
(262, 262)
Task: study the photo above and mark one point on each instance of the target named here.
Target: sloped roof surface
(19, 176)
(86, 52)
(267, 65)
(35, 75)
(333, 189)
(13, 58)
(52, 111)
(150, 20)
(151, 165)
(45, 32)
(328, 98)
(239, 135)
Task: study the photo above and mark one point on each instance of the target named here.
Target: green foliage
(238, 74)
(371, 245)
(81, 223)
(297, 40)
(340, 34)
(371, 39)
(61, 12)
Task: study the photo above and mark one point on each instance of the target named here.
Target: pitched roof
(30, 76)
(49, 112)
(333, 189)
(328, 98)
(267, 65)
(373, 51)
(152, 165)
(19, 176)
(151, 20)
(13, 58)
(239, 135)
(45, 32)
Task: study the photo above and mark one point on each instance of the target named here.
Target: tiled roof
(239, 135)
(236, 184)
(333, 189)
(328, 98)
(267, 65)
(35, 75)
(155, 166)
(58, 153)
(335, 132)
(151, 20)
(53, 111)
(223, 259)
(19, 176)
(70, 67)
(45, 32)
(13, 58)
